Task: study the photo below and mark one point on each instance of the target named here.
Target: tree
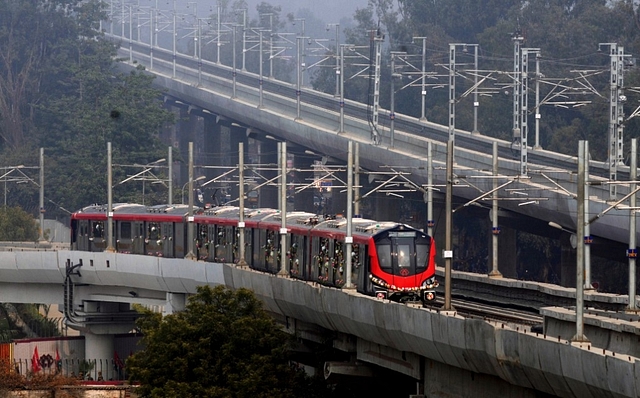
(60, 90)
(17, 225)
(223, 345)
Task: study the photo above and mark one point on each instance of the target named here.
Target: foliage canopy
(223, 345)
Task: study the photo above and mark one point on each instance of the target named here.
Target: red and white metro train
(389, 259)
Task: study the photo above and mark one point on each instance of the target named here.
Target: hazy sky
(327, 10)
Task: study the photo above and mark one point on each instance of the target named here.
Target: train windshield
(422, 255)
(403, 253)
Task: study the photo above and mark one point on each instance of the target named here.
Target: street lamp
(572, 234)
(186, 183)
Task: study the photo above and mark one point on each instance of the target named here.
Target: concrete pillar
(237, 134)
(175, 302)
(268, 195)
(567, 262)
(98, 346)
(339, 196)
(211, 156)
(187, 131)
(212, 143)
(507, 252)
(303, 200)
(387, 208)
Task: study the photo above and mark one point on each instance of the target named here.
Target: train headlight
(429, 296)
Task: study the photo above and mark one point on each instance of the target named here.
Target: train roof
(360, 226)
(180, 209)
(117, 207)
(233, 212)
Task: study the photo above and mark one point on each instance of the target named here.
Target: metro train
(389, 260)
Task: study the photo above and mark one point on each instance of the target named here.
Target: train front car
(401, 263)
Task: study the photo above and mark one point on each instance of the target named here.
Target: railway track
(490, 312)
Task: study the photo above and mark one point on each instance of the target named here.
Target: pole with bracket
(632, 252)
(495, 228)
(349, 238)
(282, 150)
(190, 233)
(241, 248)
(110, 247)
(41, 237)
(448, 252)
(579, 336)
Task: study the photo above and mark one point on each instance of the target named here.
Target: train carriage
(138, 229)
(388, 259)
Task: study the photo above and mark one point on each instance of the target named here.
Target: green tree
(223, 345)
(60, 90)
(16, 225)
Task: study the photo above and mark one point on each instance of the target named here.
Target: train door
(296, 256)
(364, 282)
(357, 262)
(229, 244)
(80, 236)
(259, 239)
(124, 241)
(202, 241)
(138, 238)
(272, 252)
(97, 236)
(210, 243)
(313, 269)
(338, 264)
(153, 239)
(248, 245)
(324, 260)
(220, 246)
(168, 240)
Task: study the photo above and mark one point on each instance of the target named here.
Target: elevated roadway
(313, 120)
(447, 355)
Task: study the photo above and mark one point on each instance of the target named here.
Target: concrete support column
(303, 200)
(387, 208)
(212, 143)
(98, 346)
(237, 134)
(175, 302)
(507, 253)
(269, 155)
(567, 262)
(339, 196)
(187, 128)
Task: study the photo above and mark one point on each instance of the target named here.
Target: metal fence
(82, 369)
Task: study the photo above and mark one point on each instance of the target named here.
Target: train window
(125, 230)
(153, 232)
(403, 256)
(384, 256)
(422, 255)
(98, 229)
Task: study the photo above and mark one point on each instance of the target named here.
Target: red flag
(57, 356)
(35, 361)
(117, 362)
